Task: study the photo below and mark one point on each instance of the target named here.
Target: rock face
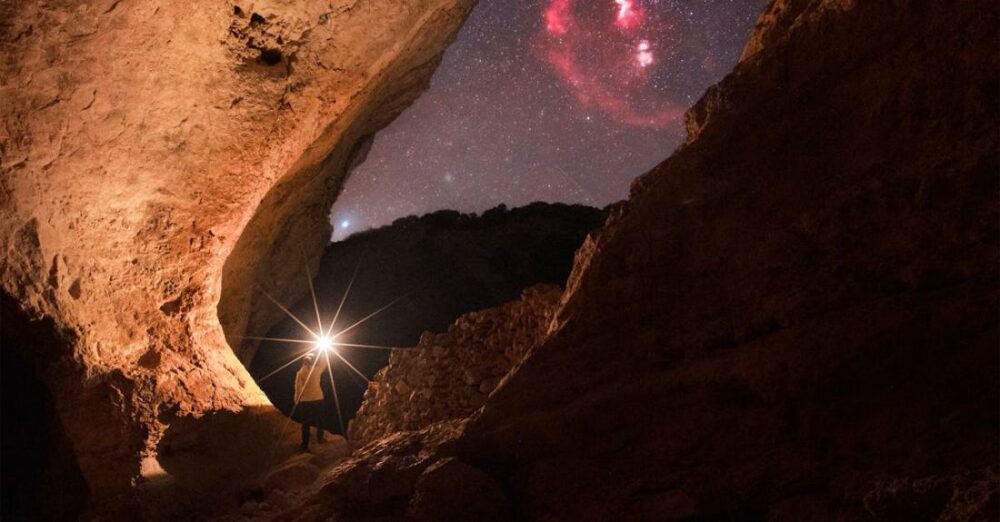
(792, 318)
(160, 159)
(450, 375)
(431, 269)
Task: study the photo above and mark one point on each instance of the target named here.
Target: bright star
(345, 223)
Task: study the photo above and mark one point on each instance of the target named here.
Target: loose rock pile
(450, 375)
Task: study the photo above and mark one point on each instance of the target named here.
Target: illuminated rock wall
(158, 157)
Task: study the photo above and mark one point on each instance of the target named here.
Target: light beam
(324, 341)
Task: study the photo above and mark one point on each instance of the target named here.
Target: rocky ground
(290, 482)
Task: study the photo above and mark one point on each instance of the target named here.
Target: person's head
(308, 360)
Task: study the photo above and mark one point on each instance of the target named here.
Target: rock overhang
(145, 146)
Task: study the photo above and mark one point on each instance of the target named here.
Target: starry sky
(547, 100)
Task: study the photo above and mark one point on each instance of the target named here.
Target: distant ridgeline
(439, 266)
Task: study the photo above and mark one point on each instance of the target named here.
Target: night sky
(547, 100)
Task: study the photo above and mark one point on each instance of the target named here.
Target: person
(309, 399)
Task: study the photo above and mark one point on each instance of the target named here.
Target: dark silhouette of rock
(40, 477)
(433, 269)
(792, 318)
(449, 489)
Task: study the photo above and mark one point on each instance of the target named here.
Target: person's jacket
(307, 387)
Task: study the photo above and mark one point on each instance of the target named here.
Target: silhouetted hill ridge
(432, 268)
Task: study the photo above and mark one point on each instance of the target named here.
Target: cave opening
(554, 102)
(430, 270)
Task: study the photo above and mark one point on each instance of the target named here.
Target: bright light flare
(326, 343)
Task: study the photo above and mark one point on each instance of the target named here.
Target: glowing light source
(324, 340)
(326, 343)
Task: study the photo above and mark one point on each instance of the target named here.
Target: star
(539, 99)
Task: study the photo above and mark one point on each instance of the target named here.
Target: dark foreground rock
(792, 318)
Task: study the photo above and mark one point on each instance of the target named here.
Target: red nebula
(606, 52)
(629, 15)
(555, 18)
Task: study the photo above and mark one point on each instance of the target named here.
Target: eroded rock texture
(449, 375)
(157, 157)
(792, 318)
